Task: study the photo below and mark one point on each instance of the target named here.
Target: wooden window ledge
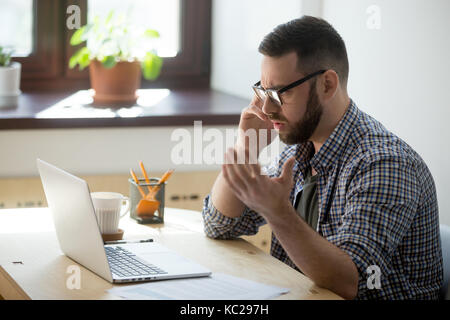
(155, 107)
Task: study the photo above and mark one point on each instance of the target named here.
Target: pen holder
(135, 197)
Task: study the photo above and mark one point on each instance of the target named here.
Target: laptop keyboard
(126, 264)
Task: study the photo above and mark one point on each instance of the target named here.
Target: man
(350, 205)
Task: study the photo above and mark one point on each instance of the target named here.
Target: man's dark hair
(316, 42)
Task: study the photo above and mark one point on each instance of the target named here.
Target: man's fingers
(255, 170)
(230, 164)
(256, 101)
(286, 173)
(239, 169)
(233, 181)
(252, 111)
(249, 152)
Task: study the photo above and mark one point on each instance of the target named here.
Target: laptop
(79, 237)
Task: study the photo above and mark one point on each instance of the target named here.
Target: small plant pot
(10, 85)
(116, 85)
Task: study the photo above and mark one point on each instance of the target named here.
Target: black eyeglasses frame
(275, 95)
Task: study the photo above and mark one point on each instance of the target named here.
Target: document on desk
(215, 287)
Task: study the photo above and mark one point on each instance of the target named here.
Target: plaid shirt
(377, 202)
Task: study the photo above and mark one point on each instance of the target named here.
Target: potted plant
(116, 52)
(9, 79)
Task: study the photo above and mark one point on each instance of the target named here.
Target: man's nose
(269, 106)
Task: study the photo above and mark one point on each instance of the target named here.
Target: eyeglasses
(275, 95)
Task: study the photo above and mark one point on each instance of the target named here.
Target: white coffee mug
(109, 208)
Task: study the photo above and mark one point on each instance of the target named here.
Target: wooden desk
(32, 265)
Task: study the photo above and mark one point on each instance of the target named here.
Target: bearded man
(346, 196)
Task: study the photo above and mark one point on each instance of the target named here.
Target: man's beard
(305, 127)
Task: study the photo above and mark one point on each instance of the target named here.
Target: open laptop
(79, 236)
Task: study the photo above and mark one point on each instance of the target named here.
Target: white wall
(96, 151)
(398, 73)
(237, 29)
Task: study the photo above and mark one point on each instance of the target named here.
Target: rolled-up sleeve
(219, 226)
(380, 206)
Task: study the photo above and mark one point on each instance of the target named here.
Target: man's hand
(327, 265)
(254, 118)
(267, 196)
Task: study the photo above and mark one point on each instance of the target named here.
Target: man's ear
(329, 83)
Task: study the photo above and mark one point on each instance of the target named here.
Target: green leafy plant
(5, 56)
(113, 39)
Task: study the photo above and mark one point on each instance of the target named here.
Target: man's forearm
(324, 263)
(224, 199)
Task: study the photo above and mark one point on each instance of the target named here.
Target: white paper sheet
(215, 287)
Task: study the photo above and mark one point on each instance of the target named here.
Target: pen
(128, 241)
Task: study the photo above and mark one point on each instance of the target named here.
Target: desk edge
(10, 290)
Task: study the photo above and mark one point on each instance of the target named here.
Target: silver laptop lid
(76, 225)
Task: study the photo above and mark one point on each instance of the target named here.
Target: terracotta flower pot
(116, 85)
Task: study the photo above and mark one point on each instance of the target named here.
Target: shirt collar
(304, 152)
(332, 148)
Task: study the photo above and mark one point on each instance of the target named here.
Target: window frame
(47, 67)
(46, 40)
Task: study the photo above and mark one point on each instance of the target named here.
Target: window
(37, 37)
(161, 15)
(16, 16)
(41, 39)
